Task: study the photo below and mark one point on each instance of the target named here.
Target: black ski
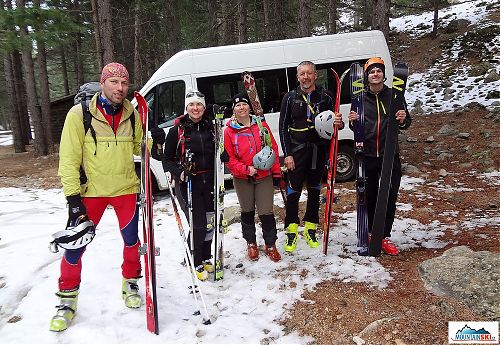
(357, 95)
(397, 103)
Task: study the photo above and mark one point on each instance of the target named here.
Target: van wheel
(345, 164)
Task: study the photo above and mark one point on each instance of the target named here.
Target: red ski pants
(127, 212)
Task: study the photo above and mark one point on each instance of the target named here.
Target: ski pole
(188, 258)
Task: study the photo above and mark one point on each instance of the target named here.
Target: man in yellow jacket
(97, 169)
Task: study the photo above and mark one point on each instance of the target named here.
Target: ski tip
(197, 313)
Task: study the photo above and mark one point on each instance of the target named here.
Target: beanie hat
(195, 96)
(241, 97)
(113, 69)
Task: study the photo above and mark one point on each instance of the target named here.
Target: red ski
(148, 249)
(332, 164)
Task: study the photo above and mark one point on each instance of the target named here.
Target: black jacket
(198, 138)
(376, 110)
(293, 115)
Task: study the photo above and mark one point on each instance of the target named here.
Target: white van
(216, 72)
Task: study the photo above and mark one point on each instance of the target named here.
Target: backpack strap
(132, 122)
(87, 122)
(181, 142)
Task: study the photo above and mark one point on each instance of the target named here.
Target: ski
(251, 89)
(219, 223)
(148, 249)
(397, 103)
(332, 165)
(357, 92)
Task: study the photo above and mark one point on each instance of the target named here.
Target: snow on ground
(424, 86)
(417, 25)
(6, 138)
(243, 307)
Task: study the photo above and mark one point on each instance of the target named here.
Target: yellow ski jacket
(109, 164)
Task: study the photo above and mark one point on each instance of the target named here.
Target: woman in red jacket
(254, 166)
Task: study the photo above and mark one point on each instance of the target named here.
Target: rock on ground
(472, 277)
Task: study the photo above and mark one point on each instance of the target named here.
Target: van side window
(150, 101)
(326, 80)
(170, 102)
(271, 86)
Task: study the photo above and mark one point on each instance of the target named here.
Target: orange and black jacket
(376, 110)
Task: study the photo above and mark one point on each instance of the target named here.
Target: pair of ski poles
(189, 252)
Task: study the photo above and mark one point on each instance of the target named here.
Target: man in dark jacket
(304, 150)
(377, 102)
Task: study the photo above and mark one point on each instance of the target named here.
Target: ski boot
(292, 232)
(201, 274)
(272, 253)
(388, 247)
(310, 234)
(253, 251)
(208, 266)
(65, 310)
(130, 293)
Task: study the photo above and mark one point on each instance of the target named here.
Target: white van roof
(273, 54)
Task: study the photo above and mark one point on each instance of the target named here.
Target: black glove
(188, 169)
(76, 209)
(224, 157)
(158, 135)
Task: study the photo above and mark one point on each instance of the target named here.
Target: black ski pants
(202, 189)
(304, 172)
(373, 169)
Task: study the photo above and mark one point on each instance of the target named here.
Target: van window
(271, 87)
(170, 102)
(326, 80)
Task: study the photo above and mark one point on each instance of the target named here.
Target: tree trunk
(268, 26)
(64, 70)
(212, 24)
(435, 22)
(304, 19)
(29, 78)
(22, 106)
(280, 17)
(242, 21)
(97, 34)
(44, 90)
(228, 31)
(380, 19)
(15, 119)
(138, 79)
(106, 31)
(173, 32)
(332, 17)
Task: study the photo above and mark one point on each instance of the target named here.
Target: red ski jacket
(241, 144)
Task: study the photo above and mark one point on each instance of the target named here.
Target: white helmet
(74, 237)
(264, 159)
(324, 124)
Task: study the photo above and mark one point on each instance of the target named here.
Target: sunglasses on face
(195, 93)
